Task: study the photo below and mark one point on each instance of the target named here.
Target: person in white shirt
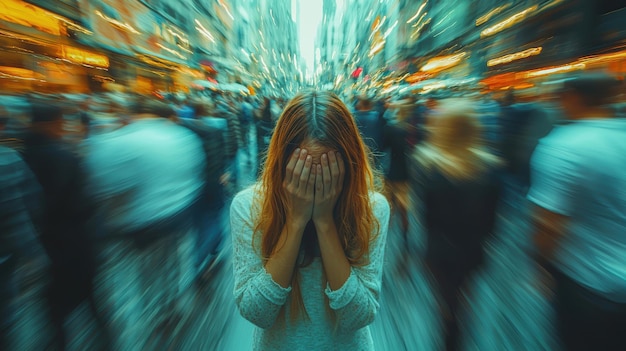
(146, 179)
(309, 237)
(578, 184)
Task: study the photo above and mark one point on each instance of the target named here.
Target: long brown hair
(321, 117)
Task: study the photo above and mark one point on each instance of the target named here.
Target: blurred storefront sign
(37, 43)
(19, 73)
(131, 26)
(16, 79)
(153, 53)
(83, 57)
(60, 74)
(612, 61)
(20, 12)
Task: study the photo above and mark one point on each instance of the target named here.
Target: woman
(457, 187)
(309, 238)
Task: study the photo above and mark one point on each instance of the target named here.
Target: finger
(304, 177)
(342, 171)
(326, 175)
(314, 181)
(291, 165)
(334, 169)
(319, 185)
(297, 170)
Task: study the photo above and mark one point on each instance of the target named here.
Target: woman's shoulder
(380, 205)
(245, 198)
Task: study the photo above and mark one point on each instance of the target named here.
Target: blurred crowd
(118, 203)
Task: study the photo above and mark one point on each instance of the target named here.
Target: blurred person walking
(309, 237)
(371, 124)
(489, 112)
(264, 129)
(210, 211)
(146, 178)
(456, 189)
(578, 184)
(246, 116)
(67, 227)
(23, 262)
(396, 141)
(233, 141)
(523, 125)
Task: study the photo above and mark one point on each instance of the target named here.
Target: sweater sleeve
(356, 303)
(257, 295)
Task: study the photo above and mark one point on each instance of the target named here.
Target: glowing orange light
(516, 18)
(83, 57)
(437, 64)
(558, 69)
(513, 57)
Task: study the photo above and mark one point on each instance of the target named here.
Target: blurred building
(84, 46)
(72, 46)
(41, 50)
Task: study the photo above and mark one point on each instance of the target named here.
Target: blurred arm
(549, 229)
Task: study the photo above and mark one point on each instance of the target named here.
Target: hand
(328, 186)
(299, 185)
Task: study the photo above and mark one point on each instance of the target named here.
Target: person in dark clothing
(85, 118)
(382, 105)
(395, 141)
(246, 112)
(65, 228)
(523, 125)
(233, 141)
(371, 124)
(264, 130)
(85, 122)
(416, 121)
(210, 206)
(23, 262)
(457, 186)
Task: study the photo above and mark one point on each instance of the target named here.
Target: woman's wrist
(323, 224)
(296, 225)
